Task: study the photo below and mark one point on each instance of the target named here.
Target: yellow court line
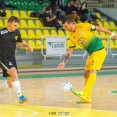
(43, 111)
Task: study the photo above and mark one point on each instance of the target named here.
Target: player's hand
(115, 36)
(61, 66)
(30, 49)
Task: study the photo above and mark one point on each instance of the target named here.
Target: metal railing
(101, 3)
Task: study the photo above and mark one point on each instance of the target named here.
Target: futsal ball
(67, 87)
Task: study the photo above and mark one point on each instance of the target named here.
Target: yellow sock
(89, 84)
(89, 94)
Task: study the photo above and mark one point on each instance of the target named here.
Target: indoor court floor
(46, 98)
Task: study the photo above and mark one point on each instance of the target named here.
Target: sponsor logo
(10, 63)
(16, 37)
(4, 31)
(57, 44)
(80, 32)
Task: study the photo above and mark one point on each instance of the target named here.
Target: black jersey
(8, 42)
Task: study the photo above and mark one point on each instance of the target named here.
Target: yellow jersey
(84, 37)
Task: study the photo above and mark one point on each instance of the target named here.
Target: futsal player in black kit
(9, 38)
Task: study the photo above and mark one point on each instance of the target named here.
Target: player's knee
(14, 75)
(86, 74)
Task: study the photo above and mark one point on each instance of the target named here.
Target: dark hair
(67, 19)
(70, 1)
(13, 19)
(83, 3)
(47, 8)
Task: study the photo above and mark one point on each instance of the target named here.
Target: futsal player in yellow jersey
(82, 35)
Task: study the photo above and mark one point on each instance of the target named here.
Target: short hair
(67, 19)
(70, 0)
(47, 8)
(13, 19)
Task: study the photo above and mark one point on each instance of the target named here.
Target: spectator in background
(5, 6)
(84, 11)
(2, 4)
(70, 13)
(61, 3)
(57, 10)
(49, 20)
(76, 9)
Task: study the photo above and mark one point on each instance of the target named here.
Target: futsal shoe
(22, 99)
(80, 94)
(83, 101)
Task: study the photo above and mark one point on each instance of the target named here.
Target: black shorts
(6, 64)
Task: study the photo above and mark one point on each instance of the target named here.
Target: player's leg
(14, 82)
(90, 82)
(10, 71)
(95, 62)
(88, 97)
(86, 77)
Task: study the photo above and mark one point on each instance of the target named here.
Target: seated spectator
(2, 4)
(84, 11)
(61, 3)
(49, 20)
(76, 9)
(57, 10)
(70, 13)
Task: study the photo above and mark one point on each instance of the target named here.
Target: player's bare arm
(67, 57)
(106, 31)
(21, 44)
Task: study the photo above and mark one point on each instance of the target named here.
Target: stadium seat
(53, 33)
(23, 15)
(23, 24)
(112, 45)
(37, 7)
(23, 6)
(105, 44)
(46, 33)
(106, 25)
(43, 5)
(8, 13)
(44, 45)
(67, 44)
(67, 33)
(5, 22)
(30, 24)
(100, 24)
(31, 34)
(23, 34)
(61, 33)
(99, 16)
(16, 4)
(116, 44)
(38, 34)
(28, 13)
(1, 24)
(38, 24)
(30, 6)
(32, 43)
(102, 35)
(38, 44)
(96, 33)
(16, 13)
(113, 26)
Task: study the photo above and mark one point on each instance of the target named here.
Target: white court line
(34, 112)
